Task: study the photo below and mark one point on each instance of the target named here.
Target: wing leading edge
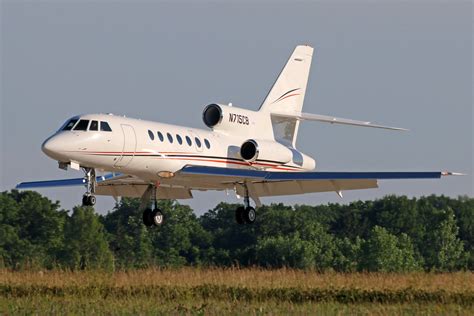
(316, 175)
(64, 182)
(114, 184)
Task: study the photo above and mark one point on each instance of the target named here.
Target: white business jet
(250, 152)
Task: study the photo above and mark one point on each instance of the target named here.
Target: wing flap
(303, 186)
(137, 190)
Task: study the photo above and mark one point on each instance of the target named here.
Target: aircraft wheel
(84, 200)
(92, 200)
(239, 215)
(88, 200)
(157, 217)
(249, 215)
(148, 217)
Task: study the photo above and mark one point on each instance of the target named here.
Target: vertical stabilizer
(287, 94)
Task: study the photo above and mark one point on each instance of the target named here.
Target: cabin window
(198, 142)
(104, 126)
(94, 126)
(170, 138)
(160, 136)
(188, 140)
(82, 125)
(206, 142)
(152, 136)
(69, 125)
(180, 140)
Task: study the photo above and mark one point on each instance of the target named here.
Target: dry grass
(249, 278)
(196, 291)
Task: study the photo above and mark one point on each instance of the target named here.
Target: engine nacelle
(251, 150)
(242, 122)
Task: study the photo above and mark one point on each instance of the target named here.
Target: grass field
(234, 291)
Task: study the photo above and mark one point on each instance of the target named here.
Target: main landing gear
(152, 217)
(88, 199)
(245, 214)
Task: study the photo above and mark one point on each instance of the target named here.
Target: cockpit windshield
(76, 124)
(104, 126)
(94, 126)
(82, 125)
(69, 125)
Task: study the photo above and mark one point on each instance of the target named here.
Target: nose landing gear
(88, 199)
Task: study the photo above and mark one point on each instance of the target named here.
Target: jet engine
(234, 120)
(265, 150)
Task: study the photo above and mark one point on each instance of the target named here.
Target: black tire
(157, 217)
(85, 200)
(147, 217)
(92, 200)
(249, 215)
(239, 218)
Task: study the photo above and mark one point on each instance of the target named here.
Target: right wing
(114, 184)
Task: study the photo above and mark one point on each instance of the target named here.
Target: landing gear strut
(153, 217)
(88, 199)
(245, 214)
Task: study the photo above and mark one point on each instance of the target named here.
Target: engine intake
(249, 150)
(212, 115)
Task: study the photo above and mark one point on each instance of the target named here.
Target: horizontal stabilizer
(333, 120)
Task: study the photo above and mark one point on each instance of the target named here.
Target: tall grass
(216, 291)
(255, 277)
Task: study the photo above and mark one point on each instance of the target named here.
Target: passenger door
(129, 146)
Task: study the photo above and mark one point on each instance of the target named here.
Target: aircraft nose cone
(51, 147)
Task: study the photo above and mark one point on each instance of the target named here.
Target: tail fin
(287, 94)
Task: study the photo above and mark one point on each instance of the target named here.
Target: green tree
(14, 252)
(130, 240)
(31, 229)
(444, 250)
(323, 245)
(347, 254)
(231, 243)
(181, 239)
(463, 208)
(385, 252)
(353, 220)
(285, 251)
(86, 245)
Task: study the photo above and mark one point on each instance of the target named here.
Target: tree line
(391, 234)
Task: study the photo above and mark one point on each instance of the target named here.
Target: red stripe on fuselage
(191, 158)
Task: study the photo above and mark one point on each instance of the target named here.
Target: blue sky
(406, 64)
